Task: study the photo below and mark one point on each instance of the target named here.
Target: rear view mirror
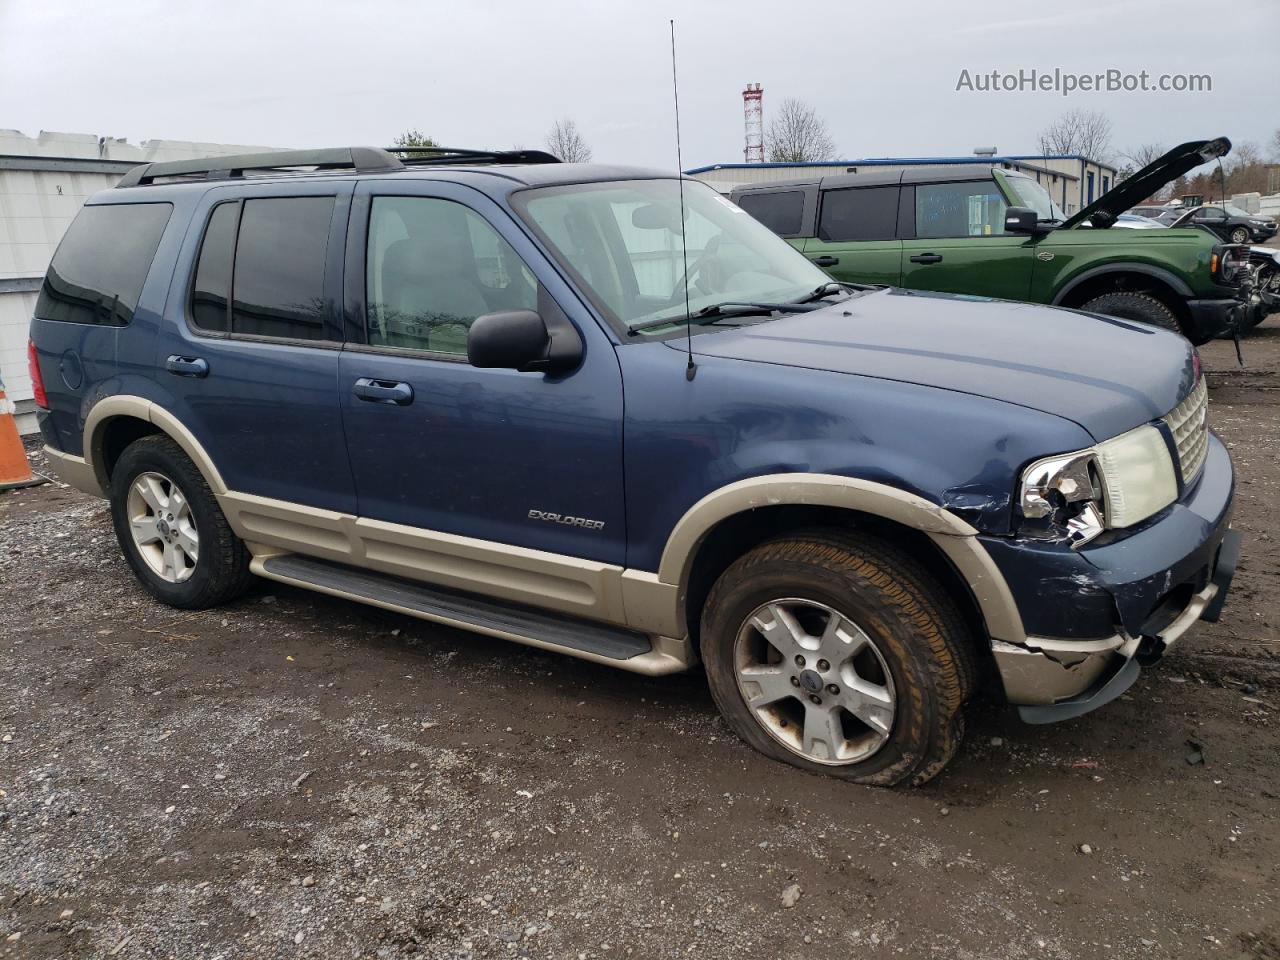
(656, 216)
(1021, 220)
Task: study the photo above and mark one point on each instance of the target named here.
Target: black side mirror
(522, 340)
(1021, 220)
(512, 340)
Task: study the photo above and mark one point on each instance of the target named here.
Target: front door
(960, 246)
(856, 237)
(510, 458)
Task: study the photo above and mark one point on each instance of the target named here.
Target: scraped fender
(952, 535)
(142, 409)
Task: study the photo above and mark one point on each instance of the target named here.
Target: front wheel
(839, 656)
(1134, 306)
(1240, 235)
(171, 530)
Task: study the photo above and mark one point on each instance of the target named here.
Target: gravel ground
(296, 776)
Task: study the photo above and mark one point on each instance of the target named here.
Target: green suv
(987, 231)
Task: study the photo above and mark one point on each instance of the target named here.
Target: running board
(588, 640)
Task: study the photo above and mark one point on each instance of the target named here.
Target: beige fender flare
(143, 409)
(658, 599)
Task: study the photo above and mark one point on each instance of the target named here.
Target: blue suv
(603, 411)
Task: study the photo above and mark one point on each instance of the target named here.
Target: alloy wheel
(815, 681)
(163, 527)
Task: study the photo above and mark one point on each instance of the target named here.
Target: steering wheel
(687, 278)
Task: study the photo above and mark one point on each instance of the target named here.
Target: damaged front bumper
(1094, 616)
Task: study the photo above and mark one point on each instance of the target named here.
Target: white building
(44, 181)
(1073, 181)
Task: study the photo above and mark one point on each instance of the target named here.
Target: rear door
(856, 237)
(518, 459)
(959, 244)
(249, 358)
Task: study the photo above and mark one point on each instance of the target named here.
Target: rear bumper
(73, 471)
(1092, 617)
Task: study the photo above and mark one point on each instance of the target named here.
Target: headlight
(1075, 496)
(1137, 475)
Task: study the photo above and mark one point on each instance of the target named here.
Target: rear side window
(861, 213)
(277, 285)
(97, 274)
(969, 209)
(780, 212)
(211, 295)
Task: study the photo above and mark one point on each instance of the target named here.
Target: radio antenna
(691, 370)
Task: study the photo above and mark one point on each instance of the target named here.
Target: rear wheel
(1134, 306)
(839, 656)
(171, 530)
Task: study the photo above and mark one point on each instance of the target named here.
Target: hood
(1105, 374)
(1152, 177)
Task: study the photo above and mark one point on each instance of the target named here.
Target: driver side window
(432, 267)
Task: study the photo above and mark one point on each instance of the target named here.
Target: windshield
(621, 240)
(1235, 211)
(1031, 194)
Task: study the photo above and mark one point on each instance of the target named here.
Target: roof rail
(454, 154)
(359, 159)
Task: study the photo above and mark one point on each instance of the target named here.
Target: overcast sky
(496, 73)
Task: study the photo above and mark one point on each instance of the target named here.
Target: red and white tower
(753, 113)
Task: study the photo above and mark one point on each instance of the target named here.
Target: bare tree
(1080, 132)
(1275, 146)
(1143, 154)
(566, 142)
(798, 135)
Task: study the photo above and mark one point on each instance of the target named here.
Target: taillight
(37, 381)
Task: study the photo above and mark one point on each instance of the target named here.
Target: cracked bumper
(1093, 617)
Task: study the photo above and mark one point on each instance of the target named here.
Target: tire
(1240, 235)
(1134, 306)
(147, 474)
(918, 651)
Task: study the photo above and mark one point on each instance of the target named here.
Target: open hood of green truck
(1152, 177)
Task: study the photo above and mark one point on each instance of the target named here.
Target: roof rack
(359, 159)
(454, 154)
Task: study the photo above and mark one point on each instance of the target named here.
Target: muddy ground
(297, 776)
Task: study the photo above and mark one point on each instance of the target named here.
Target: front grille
(1189, 424)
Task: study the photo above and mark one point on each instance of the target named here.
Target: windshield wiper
(729, 308)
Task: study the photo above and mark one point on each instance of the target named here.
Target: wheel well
(1128, 281)
(114, 436)
(736, 535)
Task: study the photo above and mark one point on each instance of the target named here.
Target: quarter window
(211, 294)
(780, 212)
(278, 280)
(860, 213)
(432, 267)
(101, 264)
(972, 209)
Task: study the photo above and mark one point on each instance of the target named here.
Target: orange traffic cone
(15, 472)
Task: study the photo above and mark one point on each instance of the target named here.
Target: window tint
(780, 212)
(863, 213)
(212, 290)
(97, 274)
(433, 266)
(974, 209)
(278, 283)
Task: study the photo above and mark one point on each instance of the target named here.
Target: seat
(431, 291)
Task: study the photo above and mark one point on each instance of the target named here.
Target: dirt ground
(297, 776)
